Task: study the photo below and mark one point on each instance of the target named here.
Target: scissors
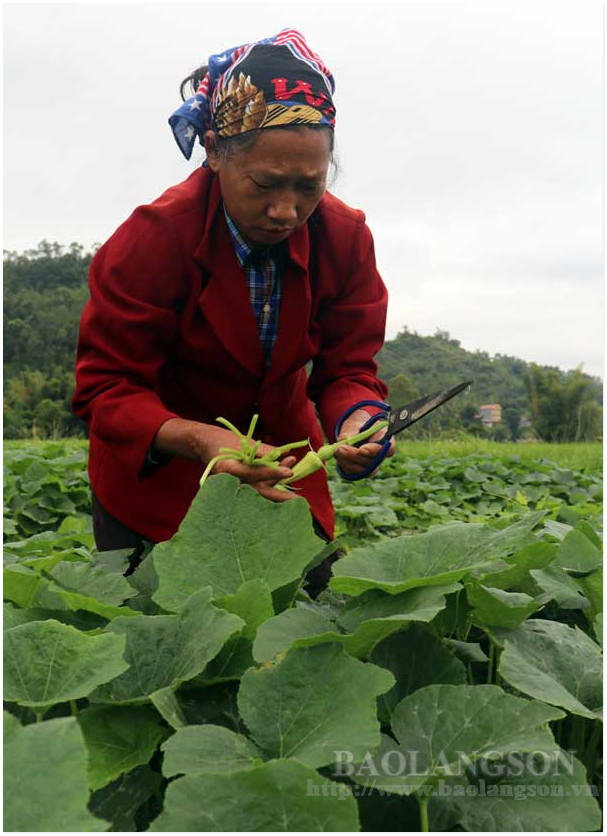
(398, 420)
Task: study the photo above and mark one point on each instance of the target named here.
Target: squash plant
(449, 679)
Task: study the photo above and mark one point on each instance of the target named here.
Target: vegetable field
(449, 679)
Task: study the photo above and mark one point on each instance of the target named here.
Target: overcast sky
(470, 133)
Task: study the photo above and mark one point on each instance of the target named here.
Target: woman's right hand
(202, 442)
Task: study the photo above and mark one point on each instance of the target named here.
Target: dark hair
(228, 146)
(193, 80)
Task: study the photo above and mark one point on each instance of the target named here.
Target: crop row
(448, 679)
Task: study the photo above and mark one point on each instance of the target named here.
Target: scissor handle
(385, 444)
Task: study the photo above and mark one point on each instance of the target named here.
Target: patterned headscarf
(273, 82)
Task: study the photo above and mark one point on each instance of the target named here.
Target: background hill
(45, 290)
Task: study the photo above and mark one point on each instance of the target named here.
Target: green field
(587, 456)
(208, 691)
(583, 456)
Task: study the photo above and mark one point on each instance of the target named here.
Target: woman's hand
(202, 443)
(357, 459)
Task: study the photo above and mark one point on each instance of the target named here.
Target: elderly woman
(213, 299)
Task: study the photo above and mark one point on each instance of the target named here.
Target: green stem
(277, 452)
(74, 708)
(423, 814)
(39, 715)
(230, 426)
(576, 736)
(252, 426)
(490, 662)
(328, 450)
(250, 454)
(457, 595)
(498, 678)
(212, 464)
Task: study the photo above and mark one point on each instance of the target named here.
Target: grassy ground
(587, 457)
(583, 456)
(70, 443)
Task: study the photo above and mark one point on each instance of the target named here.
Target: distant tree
(401, 390)
(560, 404)
(48, 419)
(590, 422)
(511, 417)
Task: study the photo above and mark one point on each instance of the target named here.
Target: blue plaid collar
(241, 248)
(244, 252)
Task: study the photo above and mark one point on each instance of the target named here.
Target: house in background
(490, 413)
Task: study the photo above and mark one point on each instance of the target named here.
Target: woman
(211, 301)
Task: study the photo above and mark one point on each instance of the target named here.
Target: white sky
(469, 131)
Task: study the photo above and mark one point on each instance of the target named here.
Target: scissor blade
(400, 419)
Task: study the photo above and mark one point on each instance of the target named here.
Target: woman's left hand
(356, 459)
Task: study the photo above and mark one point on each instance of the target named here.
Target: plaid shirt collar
(241, 248)
(244, 252)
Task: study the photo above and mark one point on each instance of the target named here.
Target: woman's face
(273, 187)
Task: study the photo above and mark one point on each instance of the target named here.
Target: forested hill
(557, 405)
(46, 288)
(439, 361)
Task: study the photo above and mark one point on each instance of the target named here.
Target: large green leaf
(280, 796)
(592, 587)
(86, 586)
(165, 650)
(441, 727)
(494, 607)
(578, 553)
(516, 575)
(20, 584)
(167, 705)
(417, 658)
(45, 778)
(83, 620)
(234, 658)
(556, 584)
(439, 556)
(466, 651)
(517, 796)
(597, 626)
(46, 662)
(306, 628)
(118, 738)
(279, 633)
(93, 581)
(315, 701)
(555, 663)
(52, 596)
(420, 604)
(230, 535)
(13, 616)
(208, 748)
(252, 602)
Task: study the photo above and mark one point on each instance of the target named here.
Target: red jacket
(169, 331)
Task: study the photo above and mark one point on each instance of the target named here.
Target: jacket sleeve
(128, 328)
(353, 329)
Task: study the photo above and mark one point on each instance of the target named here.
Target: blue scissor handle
(385, 445)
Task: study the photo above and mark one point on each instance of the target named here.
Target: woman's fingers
(260, 478)
(252, 475)
(270, 492)
(357, 459)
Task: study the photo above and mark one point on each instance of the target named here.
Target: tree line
(46, 288)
